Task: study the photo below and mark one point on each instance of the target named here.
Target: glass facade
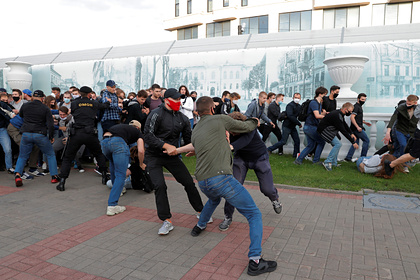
(392, 14)
(255, 25)
(189, 6)
(298, 21)
(225, 3)
(177, 8)
(342, 17)
(209, 5)
(188, 33)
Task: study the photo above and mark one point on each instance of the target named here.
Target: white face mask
(234, 101)
(296, 100)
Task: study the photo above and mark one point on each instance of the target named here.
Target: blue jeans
(402, 140)
(360, 135)
(285, 135)
(229, 188)
(332, 156)
(26, 145)
(117, 152)
(313, 138)
(7, 147)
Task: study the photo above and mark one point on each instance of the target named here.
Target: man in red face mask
(161, 135)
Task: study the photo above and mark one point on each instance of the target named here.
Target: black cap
(173, 93)
(85, 89)
(38, 93)
(3, 90)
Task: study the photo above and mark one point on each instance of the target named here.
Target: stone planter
(18, 76)
(345, 71)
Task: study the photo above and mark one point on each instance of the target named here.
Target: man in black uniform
(83, 133)
(161, 134)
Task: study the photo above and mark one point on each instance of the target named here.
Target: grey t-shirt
(17, 106)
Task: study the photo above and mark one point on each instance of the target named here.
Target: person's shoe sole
(165, 233)
(259, 272)
(18, 182)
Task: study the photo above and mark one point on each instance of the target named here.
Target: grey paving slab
(316, 237)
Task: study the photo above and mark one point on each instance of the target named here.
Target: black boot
(60, 187)
(105, 177)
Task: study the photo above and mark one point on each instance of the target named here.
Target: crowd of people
(141, 133)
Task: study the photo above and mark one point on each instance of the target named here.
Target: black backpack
(304, 110)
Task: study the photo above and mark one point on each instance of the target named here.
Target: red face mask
(174, 105)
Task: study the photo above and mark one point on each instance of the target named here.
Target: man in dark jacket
(5, 115)
(136, 109)
(273, 114)
(329, 127)
(162, 130)
(289, 126)
(329, 103)
(37, 129)
(405, 124)
(155, 99)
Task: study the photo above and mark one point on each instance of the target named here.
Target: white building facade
(196, 19)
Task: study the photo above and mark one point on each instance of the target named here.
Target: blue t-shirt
(313, 106)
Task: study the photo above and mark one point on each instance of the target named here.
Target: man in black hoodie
(136, 109)
(329, 127)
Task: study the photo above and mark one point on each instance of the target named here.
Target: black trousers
(81, 137)
(178, 169)
(265, 130)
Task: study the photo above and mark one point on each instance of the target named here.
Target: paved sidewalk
(46, 234)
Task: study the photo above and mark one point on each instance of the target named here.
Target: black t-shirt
(358, 111)
(328, 104)
(129, 133)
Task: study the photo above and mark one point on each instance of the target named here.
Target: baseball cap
(28, 92)
(38, 93)
(110, 83)
(3, 90)
(135, 123)
(173, 93)
(85, 89)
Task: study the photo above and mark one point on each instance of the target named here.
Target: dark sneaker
(223, 226)
(348, 159)
(81, 169)
(297, 162)
(18, 181)
(261, 267)
(97, 170)
(196, 231)
(55, 179)
(388, 168)
(277, 206)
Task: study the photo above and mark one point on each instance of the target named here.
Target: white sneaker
(209, 222)
(113, 210)
(406, 170)
(165, 228)
(124, 190)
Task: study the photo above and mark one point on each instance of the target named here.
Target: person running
(163, 127)
(214, 176)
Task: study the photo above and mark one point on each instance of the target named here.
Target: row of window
(209, 5)
(398, 71)
(382, 14)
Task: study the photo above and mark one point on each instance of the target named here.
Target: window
(418, 71)
(407, 70)
(392, 14)
(343, 17)
(255, 25)
(244, 3)
(397, 70)
(225, 3)
(218, 29)
(298, 21)
(177, 8)
(231, 75)
(209, 5)
(188, 33)
(189, 6)
(386, 70)
(407, 88)
(237, 74)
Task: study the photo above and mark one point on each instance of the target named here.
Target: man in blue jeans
(357, 128)
(116, 150)
(329, 127)
(37, 129)
(214, 176)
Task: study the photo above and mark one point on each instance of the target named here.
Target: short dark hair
(279, 95)
(17, 90)
(320, 90)
(56, 88)
(204, 104)
(334, 87)
(64, 109)
(154, 86)
(361, 95)
(225, 93)
(270, 94)
(297, 93)
(142, 94)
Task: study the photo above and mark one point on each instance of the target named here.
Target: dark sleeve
(344, 129)
(73, 106)
(135, 112)
(273, 112)
(186, 131)
(223, 109)
(152, 124)
(147, 102)
(393, 119)
(102, 106)
(292, 118)
(50, 123)
(243, 140)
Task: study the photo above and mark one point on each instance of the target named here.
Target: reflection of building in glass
(397, 70)
(55, 78)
